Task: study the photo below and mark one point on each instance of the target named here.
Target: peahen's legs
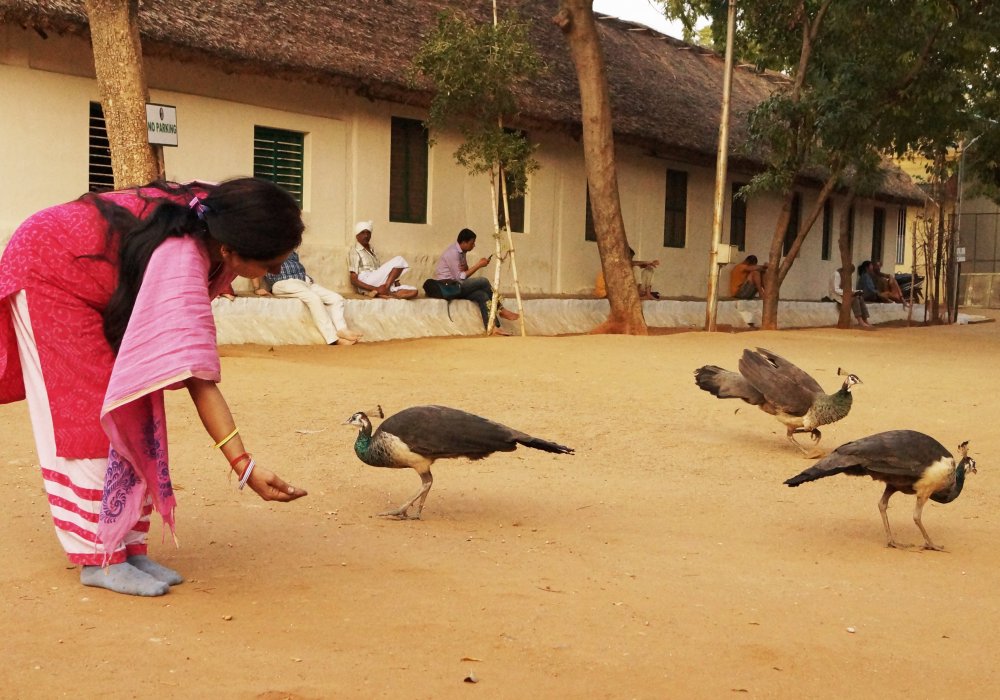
(426, 481)
(917, 512)
(883, 505)
(813, 433)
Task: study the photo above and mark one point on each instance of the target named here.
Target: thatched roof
(666, 94)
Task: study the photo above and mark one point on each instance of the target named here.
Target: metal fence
(980, 289)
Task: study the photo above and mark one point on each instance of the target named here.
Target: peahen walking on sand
(780, 388)
(906, 461)
(417, 436)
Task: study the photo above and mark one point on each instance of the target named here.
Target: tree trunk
(114, 33)
(770, 279)
(576, 20)
(847, 273)
(779, 265)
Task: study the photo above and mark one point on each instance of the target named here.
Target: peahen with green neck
(781, 389)
(418, 436)
(906, 461)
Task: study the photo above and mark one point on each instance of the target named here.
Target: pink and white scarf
(170, 337)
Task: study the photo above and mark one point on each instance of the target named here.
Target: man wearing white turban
(371, 277)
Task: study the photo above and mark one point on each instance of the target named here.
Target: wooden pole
(711, 307)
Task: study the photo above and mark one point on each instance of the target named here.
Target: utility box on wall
(727, 254)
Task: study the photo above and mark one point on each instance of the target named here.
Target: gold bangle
(226, 439)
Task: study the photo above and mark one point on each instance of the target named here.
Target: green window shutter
(675, 210)
(408, 171)
(738, 218)
(279, 156)
(794, 222)
(825, 250)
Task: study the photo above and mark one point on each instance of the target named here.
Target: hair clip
(198, 207)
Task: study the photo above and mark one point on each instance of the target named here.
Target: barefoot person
(372, 277)
(105, 302)
(453, 265)
(325, 306)
(745, 281)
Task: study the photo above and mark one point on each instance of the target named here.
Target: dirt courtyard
(665, 559)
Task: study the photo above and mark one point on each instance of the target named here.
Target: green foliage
(475, 70)
(889, 78)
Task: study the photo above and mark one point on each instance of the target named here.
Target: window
(100, 177)
(589, 233)
(901, 237)
(738, 218)
(408, 172)
(794, 221)
(827, 230)
(279, 156)
(675, 210)
(516, 205)
(878, 233)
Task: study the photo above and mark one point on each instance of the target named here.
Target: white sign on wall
(161, 124)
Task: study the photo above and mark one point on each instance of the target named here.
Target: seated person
(645, 283)
(452, 265)
(745, 281)
(369, 276)
(326, 307)
(858, 305)
(877, 286)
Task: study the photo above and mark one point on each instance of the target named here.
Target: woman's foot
(123, 578)
(508, 315)
(157, 571)
(348, 334)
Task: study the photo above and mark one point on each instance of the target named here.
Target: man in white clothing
(326, 306)
(371, 277)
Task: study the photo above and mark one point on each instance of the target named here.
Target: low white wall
(270, 321)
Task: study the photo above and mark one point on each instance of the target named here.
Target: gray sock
(123, 578)
(157, 571)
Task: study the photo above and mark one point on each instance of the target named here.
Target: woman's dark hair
(863, 267)
(253, 217)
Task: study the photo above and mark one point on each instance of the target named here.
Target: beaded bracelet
(226, 439)
(246, 474)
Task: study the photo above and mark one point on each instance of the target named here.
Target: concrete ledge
(270, 321)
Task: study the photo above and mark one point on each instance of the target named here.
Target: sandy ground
(664, 560)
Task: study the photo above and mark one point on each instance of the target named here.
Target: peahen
(906, 461)
(780, 388)
(417, 436)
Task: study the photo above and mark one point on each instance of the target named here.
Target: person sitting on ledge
(452, 265)
(326, 306)
(745, 281)
(371, 277)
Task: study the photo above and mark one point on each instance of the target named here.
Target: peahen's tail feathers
(819, 471)
(726, 384)
(546, 445)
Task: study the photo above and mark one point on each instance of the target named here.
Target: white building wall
(47, 85)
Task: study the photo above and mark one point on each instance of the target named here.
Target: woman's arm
(218, 421)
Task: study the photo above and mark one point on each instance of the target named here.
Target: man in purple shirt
(453, 265)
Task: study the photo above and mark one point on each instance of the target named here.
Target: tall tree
(121, 79)
(849, 102)
(475, 69)
(576, 20)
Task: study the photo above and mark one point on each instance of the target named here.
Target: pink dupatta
(170, 337)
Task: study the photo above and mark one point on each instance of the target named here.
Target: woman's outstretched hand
(270, 487)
